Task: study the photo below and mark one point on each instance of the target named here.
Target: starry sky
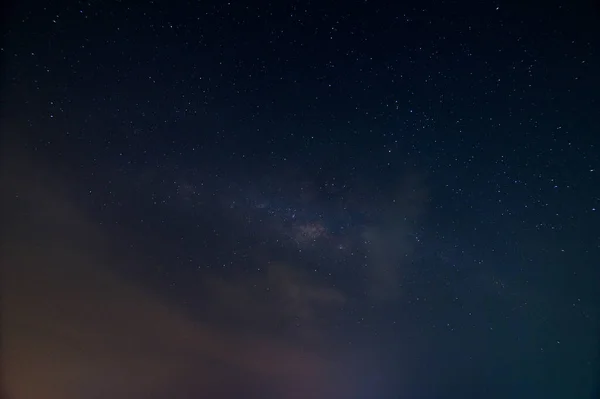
(304, 199)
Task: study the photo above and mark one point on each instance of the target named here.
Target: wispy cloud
(390, 239)
(77, 329)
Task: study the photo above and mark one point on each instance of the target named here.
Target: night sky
(285, 200)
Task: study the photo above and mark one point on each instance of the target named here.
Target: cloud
(283, 299)
(391, 241)
(72, 327)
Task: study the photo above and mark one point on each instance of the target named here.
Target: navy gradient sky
(290, 200)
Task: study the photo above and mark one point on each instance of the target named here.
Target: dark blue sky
(301, 199)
